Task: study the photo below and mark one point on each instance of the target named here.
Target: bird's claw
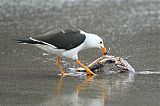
(64, 74)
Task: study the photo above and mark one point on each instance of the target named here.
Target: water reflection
(84, 84)
(90, 90)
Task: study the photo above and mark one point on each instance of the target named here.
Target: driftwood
(122, 64)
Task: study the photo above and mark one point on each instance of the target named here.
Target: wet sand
(29, 76)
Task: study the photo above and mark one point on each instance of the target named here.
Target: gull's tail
(29, 40)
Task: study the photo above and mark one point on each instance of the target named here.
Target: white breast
(73, 53)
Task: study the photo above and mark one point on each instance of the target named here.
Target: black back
(65, 39)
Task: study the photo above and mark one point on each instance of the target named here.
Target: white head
(94, 41)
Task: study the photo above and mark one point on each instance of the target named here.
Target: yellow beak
(104, 50)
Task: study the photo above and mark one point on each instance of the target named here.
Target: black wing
(65, 39)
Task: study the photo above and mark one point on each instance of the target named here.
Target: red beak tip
(105, 53)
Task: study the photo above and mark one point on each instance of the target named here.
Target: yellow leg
(58, 62)
(88, 71)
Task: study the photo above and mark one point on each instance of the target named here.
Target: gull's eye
(100, 42)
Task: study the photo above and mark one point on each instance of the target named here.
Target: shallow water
(28, 76)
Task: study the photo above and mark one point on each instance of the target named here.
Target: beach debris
(99, 63)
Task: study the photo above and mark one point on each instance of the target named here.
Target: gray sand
(131, 28)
